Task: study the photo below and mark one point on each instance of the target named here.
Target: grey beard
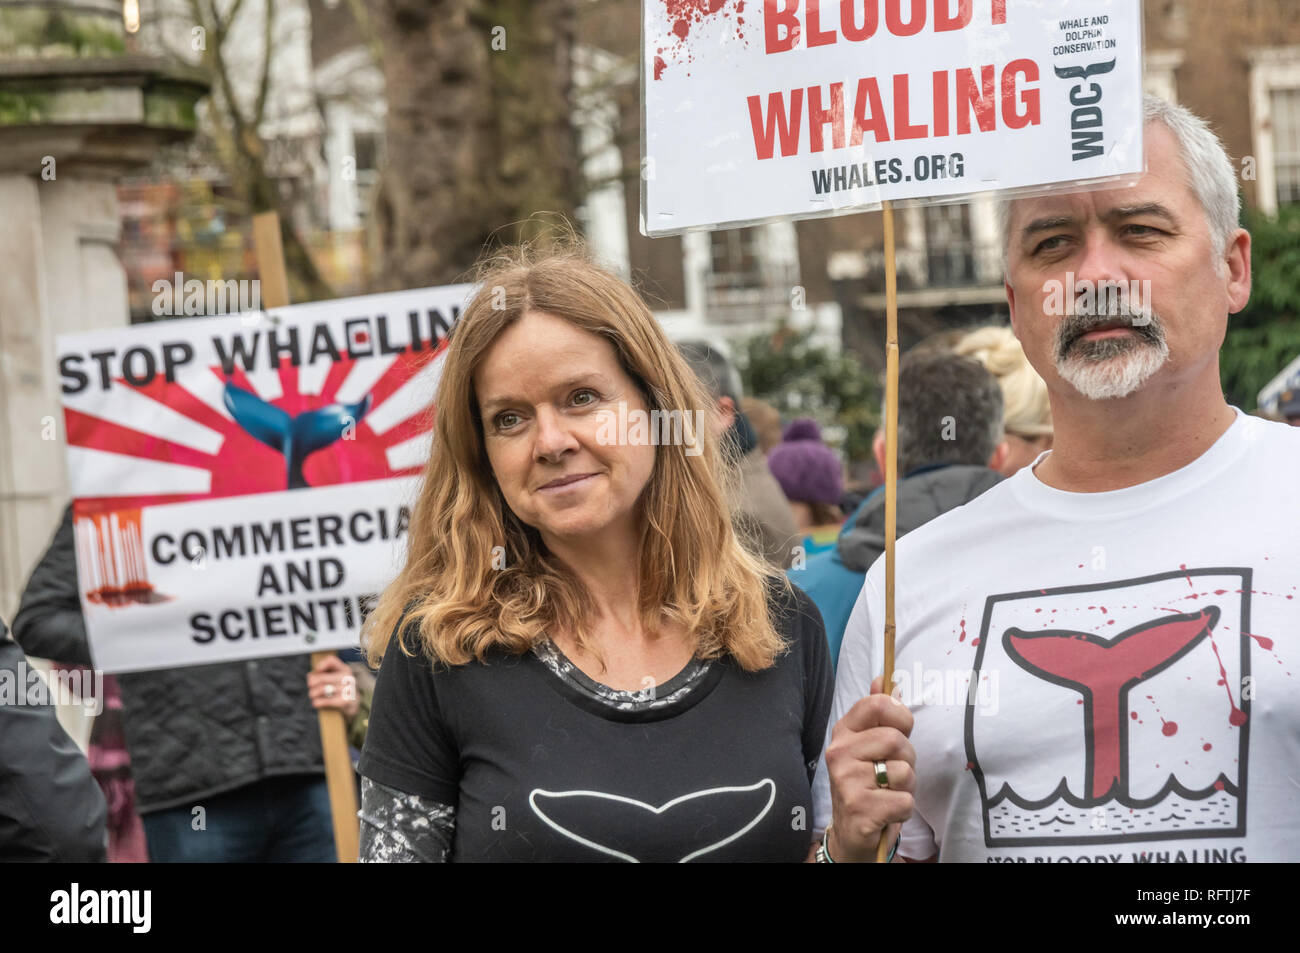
(1114, 367)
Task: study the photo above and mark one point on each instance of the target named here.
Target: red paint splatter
(1264, 641)
(974, 642)
(970, 765)
(1170, 728)
(1183, 567)
(1236, 716)
(1132, 714)
(682, 16)
(1207, 746)
(1218, 785)
(962, 637)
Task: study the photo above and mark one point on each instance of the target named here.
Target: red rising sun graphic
(385, 442)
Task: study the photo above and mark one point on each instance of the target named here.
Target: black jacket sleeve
(49, 623)
(51, 809)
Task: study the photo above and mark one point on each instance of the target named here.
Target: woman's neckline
(656, 697)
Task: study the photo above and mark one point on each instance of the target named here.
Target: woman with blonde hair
(1027, 414)
(580, 661)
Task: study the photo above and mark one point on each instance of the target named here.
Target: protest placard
(242, 484)
(758, 109)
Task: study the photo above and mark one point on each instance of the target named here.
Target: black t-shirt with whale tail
(538, 770)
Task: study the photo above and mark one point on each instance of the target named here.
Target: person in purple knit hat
(812, 479)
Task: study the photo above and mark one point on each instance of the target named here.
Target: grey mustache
(1073, 326)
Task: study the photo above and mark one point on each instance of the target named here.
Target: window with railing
(735, 261)
(1285, 110)
(1274, 160)
(950, 246)
(744, 281)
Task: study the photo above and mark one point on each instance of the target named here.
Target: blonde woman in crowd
(1027, 415)
(580, 660)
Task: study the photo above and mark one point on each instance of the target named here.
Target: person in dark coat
(226, 757)
(950, 446)
(51, 809)
(760, 511)
(812, 478)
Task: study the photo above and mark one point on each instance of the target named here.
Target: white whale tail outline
(554, 825)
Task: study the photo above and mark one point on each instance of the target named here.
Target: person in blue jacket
(950, 446)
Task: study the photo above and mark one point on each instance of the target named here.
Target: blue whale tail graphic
(295, 437)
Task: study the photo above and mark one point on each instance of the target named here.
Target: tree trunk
(480, 146)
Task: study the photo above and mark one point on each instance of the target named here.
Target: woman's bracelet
(824, 855)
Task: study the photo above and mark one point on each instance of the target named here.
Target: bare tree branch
(368, 33)
(234, 10)
(264, 85)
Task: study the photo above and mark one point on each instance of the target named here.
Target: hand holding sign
(331, 684)
(874, 729)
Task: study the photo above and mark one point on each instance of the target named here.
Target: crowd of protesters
(683, 651)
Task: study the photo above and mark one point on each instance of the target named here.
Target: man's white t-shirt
(1134, 657)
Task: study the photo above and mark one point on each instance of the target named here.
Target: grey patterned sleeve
(401, 828)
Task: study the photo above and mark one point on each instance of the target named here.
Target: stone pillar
(77, 111)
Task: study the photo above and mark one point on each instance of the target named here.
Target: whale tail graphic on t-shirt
(1123, 710)
(631, 830)
(1103, 672)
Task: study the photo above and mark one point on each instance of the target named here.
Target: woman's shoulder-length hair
(477, 580)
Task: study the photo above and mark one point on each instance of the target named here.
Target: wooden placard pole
(891, 458)
(333, 729)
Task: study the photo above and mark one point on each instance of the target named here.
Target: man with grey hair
(1096, 654)
(761, 514)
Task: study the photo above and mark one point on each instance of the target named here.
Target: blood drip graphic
(1104, 672)
(682, 16)
(111, 558)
